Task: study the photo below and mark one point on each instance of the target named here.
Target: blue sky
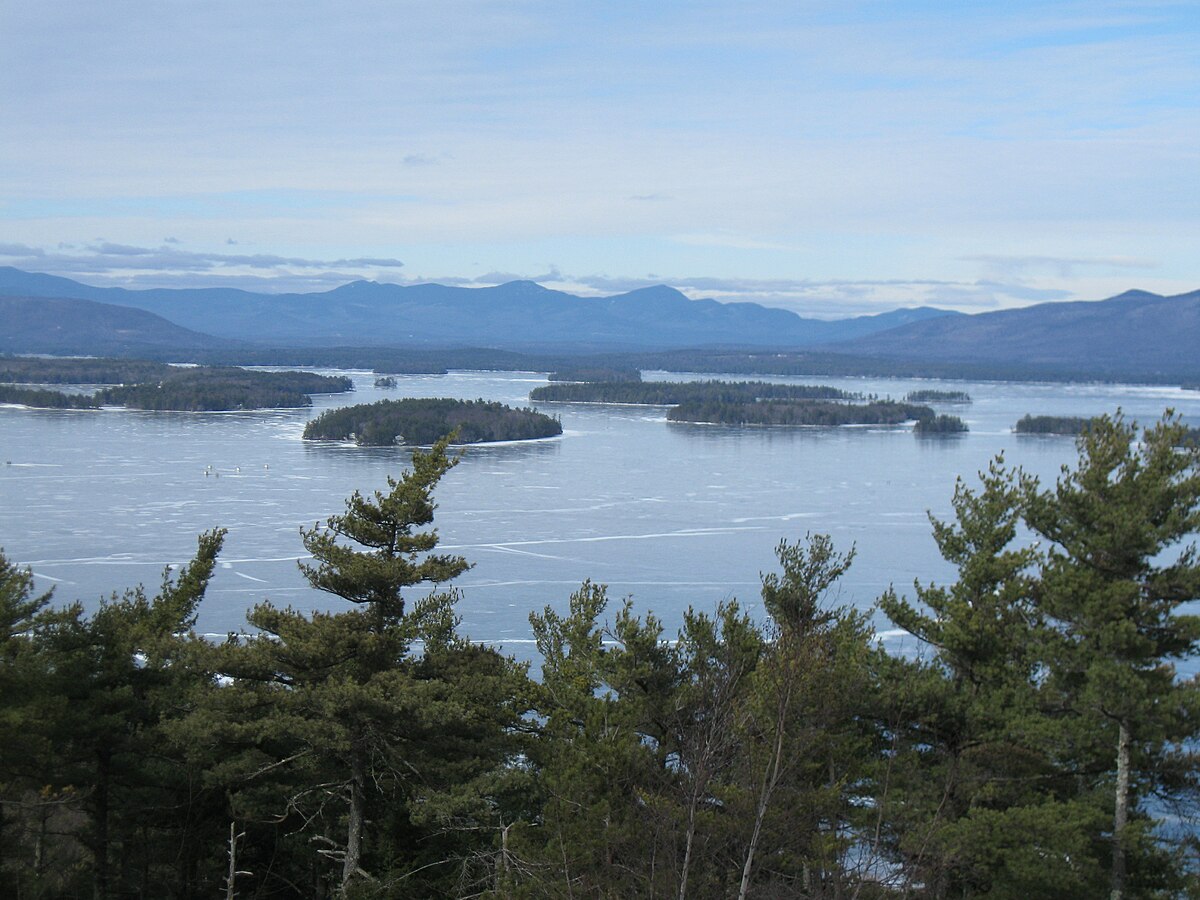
(832, 158)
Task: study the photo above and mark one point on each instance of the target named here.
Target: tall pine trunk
(354, 825)
(1121, 811)
(687, 853)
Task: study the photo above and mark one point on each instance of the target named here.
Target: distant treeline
(39, 370)
(597, 373)
(805, 412)
(141, 385)
(670, 393)
(928, 396)
(795, 363)
(424, 421)
(1028, 424)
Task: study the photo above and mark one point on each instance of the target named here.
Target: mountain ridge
(518, 313)
(1136, 335)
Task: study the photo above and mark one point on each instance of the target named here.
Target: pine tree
(596, 833)
(973, 796)
(1120, 567)
(115, 678)
(805, 744)
(22, 741)
(363, 712)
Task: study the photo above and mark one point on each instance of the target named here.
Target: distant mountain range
(517, 315)
(1137, 335)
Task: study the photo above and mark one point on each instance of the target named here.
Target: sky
(832, 158)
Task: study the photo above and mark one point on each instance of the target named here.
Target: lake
(668, 514)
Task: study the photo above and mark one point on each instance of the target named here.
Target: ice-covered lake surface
(668, 514)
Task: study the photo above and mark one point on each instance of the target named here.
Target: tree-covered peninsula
(206, 388)
(40, 398)
(418, 421)
(1040, 744)
(148, 385)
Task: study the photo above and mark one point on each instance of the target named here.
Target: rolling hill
(1135, 334)
(83, 327)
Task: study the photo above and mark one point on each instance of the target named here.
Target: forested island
(422, 421)
(671, 393)
(798, 412)
(156, 386)
(939, 424)
(1063, 425)
(1038, 743)
(753, 403)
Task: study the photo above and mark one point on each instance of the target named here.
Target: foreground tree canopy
(1040, 744)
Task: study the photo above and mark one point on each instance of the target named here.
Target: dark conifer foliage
(419, 421)
(149, 385)
(1070, 425)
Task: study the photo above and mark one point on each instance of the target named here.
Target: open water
(670, 515)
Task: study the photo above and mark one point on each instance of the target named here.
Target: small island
(672, 393)
(386, 381)
(1061, 425)
(421, 422)
(940, 425)
(931, 396)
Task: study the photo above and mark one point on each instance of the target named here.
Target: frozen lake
(672, 515)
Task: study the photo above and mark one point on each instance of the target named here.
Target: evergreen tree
(24, 808)
(805, 744)
(1120, 567)
(398, 555)
(348, 735)
(113, 681)
(974, 797)
(717, 655)
(597, 754)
